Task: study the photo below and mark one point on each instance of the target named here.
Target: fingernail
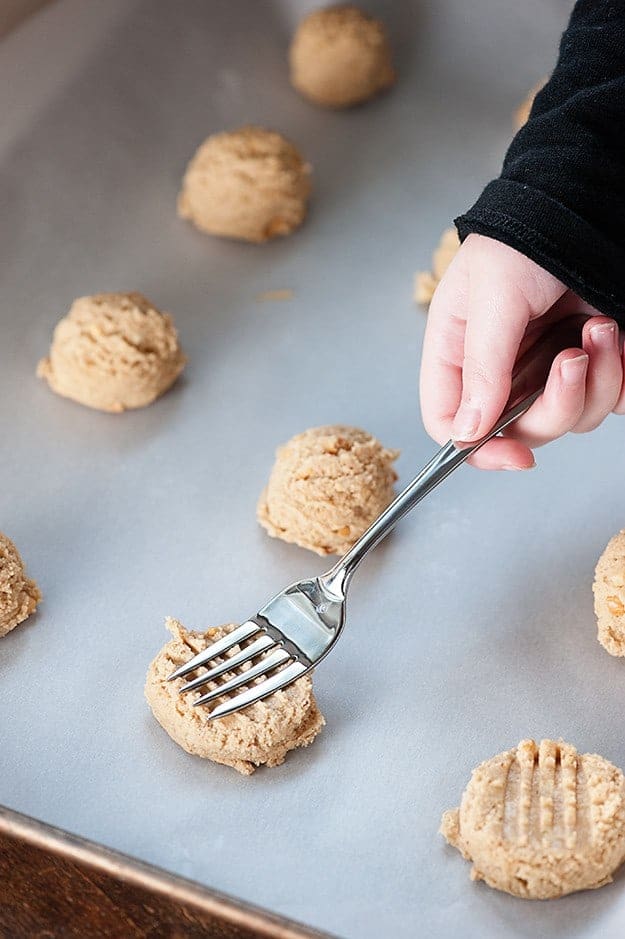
(603, 335)
(511, 467)
(466, 422)
(574, 370)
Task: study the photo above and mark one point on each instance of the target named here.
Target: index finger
(441, 358)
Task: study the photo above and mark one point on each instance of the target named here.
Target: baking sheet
(119, 896)
(471, 628)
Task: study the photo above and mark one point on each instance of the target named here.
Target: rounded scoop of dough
(340, 56)
(260, 734)
(541, 821)
(326, 487)
(19, 595)
(250, 184)
(609, 593)
(426, 282)
(113, 352)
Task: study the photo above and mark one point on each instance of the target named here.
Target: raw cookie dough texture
(609, 591)
(541, 821)
(250, 184)
(340, 57)
(522, 113)
(261, 734)
(19, 595)
(113, 352)
(326, 487)
(426, 282)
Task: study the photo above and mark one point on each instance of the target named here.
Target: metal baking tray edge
(143, 897)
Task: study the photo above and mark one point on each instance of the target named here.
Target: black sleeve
(560, 199)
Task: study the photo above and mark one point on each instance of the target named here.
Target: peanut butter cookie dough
(326, 487)
(522, 113)
(426, 282)
(340, 56)
(19, 595)
(541, 821)
(262, 734)
(609, 592)
(250, 184)
(113, 352)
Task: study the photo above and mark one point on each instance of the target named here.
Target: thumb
(506, 290)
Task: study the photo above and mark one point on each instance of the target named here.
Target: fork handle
(528, 382)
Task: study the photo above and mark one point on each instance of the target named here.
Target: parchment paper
(469, 630)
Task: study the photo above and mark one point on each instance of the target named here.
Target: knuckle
(478, 372)
(537, 289)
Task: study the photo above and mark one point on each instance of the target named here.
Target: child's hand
(491, 302)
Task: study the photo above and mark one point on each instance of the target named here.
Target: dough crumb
(251, 184)
(326, 487)
(275, 295)
(426, 282)
(261, 734)
(340, 57)
(522, 113)
(609, 594)
(19, 595)
(113, 352)
(541, 821)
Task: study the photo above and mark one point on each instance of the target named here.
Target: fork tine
(263, 644)
(265, 688)
(266, 664)
(216, 648)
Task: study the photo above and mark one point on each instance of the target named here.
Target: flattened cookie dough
(541, 821)
(340, 56)
(113, 352)
(250, 184)
(609, 592)
(426, 282)
(326, 487)
(19, 595)
(262, 734)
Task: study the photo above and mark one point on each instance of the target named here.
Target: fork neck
(444, 462)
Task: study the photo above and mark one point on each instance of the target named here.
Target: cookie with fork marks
(541, 821)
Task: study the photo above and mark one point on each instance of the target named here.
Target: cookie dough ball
(609, 591)
(113, 351)
(261, 734)
(340, 56)
(541, 821)
(522, 113)
(426, 282)
(250, 184)
(326, 487)
(19, 595)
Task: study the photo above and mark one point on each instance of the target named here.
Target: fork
(298, 627)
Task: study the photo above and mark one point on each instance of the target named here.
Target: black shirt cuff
(553, 236)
